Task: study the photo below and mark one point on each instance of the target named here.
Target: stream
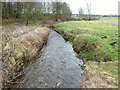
(58, 67)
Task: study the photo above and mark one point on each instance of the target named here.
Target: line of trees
(39, 10)
(81, 12)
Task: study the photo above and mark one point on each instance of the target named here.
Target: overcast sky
(102, 7)
(97, 6)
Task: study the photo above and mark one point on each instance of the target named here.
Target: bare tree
(36, 10)
(88, 9)
(48, 7)
(66, 12)
(28, 11)
(44, 8)
(81, 13)
(56, 9)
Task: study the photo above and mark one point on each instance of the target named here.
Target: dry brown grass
(20, 45)
(95, 77)
(0, 56)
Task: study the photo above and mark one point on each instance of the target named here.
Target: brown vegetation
(99, 76)
(20, 46)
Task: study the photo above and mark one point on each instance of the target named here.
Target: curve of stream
(58, 67)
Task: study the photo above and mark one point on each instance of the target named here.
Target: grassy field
(95, 41)
(92, 41)
(109, 20)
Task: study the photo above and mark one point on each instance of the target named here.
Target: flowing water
(58, 67)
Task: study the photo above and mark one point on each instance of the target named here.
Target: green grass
(109, 20)
(93, 48)
(86, 39)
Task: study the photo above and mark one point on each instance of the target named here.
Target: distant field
(109, 20)
(92, 41)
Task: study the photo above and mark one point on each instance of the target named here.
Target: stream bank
(20, 46)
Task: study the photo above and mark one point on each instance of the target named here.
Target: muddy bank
(21, 44)
(58, 67)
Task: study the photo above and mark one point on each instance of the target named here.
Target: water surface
(58, 67)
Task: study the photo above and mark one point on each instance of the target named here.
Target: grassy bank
(92, 41)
